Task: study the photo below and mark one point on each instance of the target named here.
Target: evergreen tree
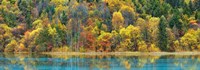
(191, 6)
(63, 18)
(25, 7)
(197, 5)
(175, 21)
(175, 3)
(162, 36)
(90, 0)
(197, 16)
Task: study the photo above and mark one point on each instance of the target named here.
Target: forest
(99, 25)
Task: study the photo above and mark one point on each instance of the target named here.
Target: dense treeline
(99, 25)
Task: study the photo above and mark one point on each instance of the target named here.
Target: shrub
(11, 46)
(22, 48)
(142, 46)
(153, 48)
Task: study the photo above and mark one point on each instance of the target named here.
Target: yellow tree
(11, 47)
(190, 40)
(131, 39)
(128, 13)
(9, 13)
(104, 41)
(5, 36)
(59, 2)
(114, 5)
(152, 28)
(117, 20)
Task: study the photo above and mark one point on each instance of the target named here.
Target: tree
(128, 14)
(11, 46)
(5, 36)
(25, 7)
(162, 36)
(114, 5)
(115, 40)
(9, 18)
(197, 4)
(189, 41)
(131, 38)
(104, 13)
(9, 13)
(157, 8)
(176, 21)
(192, 5)
(198, 16)
(88, 39)
(79, 16)
(153, 48)
(144, 29)
(138, 6)
(153, 7)
(59, 2)
(63, 18)
(175, 3)
(117, 20)
(51, 11)
(104, 41)
(152, 29)
(90, 0)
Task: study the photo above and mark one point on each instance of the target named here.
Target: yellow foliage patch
(153, 48)
(11, 46)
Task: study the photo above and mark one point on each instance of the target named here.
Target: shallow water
(101, 62)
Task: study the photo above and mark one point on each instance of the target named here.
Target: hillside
(99, 25)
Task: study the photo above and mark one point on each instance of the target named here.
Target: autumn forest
(99, 25)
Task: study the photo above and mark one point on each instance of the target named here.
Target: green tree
(192, 5)
(176, 22)
(175, 3)
(162, 36)
(25, 7)
(9, 18)
(63, 18)
(90, 0)
(51, 11)
(197, 5)
(198, 16)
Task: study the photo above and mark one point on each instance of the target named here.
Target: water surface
(10, 61)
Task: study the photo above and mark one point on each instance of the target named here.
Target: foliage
(104, 41)
(5, 36)
(88, 39)
(11, 46)
(190, 40)
(131, 38)
(117, 20)
(162, 36)
(153, 48)
(152, 29)
(142, 46)
(128, 14)
(99, 25)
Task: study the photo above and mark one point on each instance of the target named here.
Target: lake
(9, 61)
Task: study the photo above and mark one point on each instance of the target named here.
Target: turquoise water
(48, 62)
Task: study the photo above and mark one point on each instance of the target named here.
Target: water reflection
(9, 61)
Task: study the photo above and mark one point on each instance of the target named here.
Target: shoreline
(120, 53)
(109, 53)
